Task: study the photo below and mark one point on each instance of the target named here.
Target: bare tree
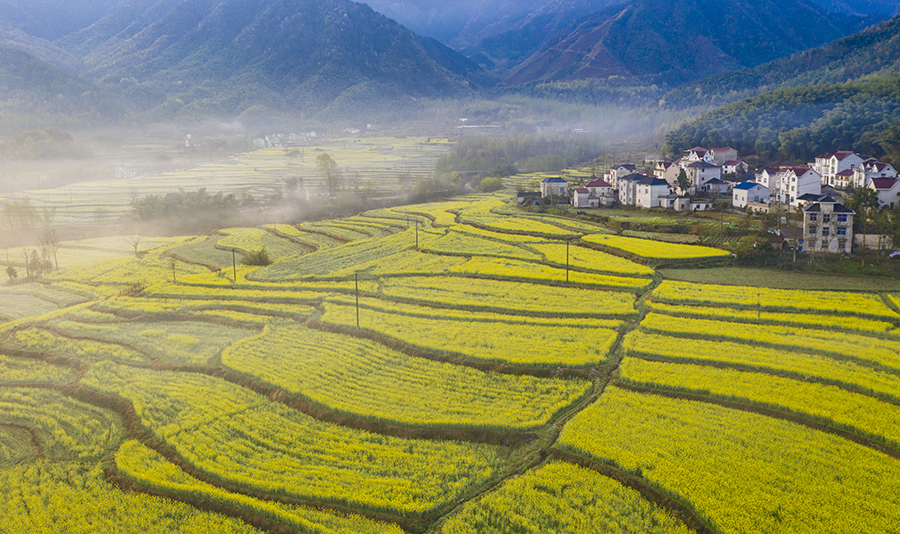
(134, 241)
(50, 244)
(173, 262)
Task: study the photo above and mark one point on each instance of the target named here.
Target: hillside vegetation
(36, 95)
(799, 123)
(872, 53)
(658, 41)
(205, 57)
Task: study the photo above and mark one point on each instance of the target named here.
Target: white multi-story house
(700, 172)
(888, 190)
(698, 153)
(581, 198)
(627, 190)
(843, 179)
(612, 177)
(796, 181)
(827, 226)
(829, 164)
(770, 179)
(649, 190)
(598, 187)
(734, 166)
(865, 173)
(554, 187)
(747, 192)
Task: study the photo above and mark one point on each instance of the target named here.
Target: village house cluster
(702, 177)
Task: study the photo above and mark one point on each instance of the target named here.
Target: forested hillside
(860, 7)
(874, 52)
(658, 41)
(181, 60)
(52, 19)
(797, 124)
(36, 94)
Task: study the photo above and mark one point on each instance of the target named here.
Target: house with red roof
(734, 167)
(698, 153)
(888, 190)
(598, 187)
(865, 173)
(829, 164)
(581, 198)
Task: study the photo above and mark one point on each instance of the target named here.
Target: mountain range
(673, 42)
(873, 53)
(189, 60)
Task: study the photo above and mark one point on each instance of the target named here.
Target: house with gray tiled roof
(827, 227)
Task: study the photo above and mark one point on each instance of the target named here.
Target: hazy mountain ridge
(674, 42)
(276, 55)
(53, 19)
(860, 7)
(186, 60)
(874, 52)
(39, 48)
(36, 95)
(509, 47)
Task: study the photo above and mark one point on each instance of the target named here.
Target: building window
(842, 218)
(826, 217)
(812, 230)
(841, 231)
(813, 216)
(825, 231)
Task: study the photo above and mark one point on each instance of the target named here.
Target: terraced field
(456, 367)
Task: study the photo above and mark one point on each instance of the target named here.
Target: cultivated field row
(450, 367)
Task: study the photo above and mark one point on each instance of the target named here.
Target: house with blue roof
(746, 192)
(554, 186)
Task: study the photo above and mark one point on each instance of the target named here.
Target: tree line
(799, 123)
(482, 157)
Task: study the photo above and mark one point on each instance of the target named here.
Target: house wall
(873, 241)
(793, 186)
(628, 192)
(829, 167)
(827, 232)
(648, 195)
